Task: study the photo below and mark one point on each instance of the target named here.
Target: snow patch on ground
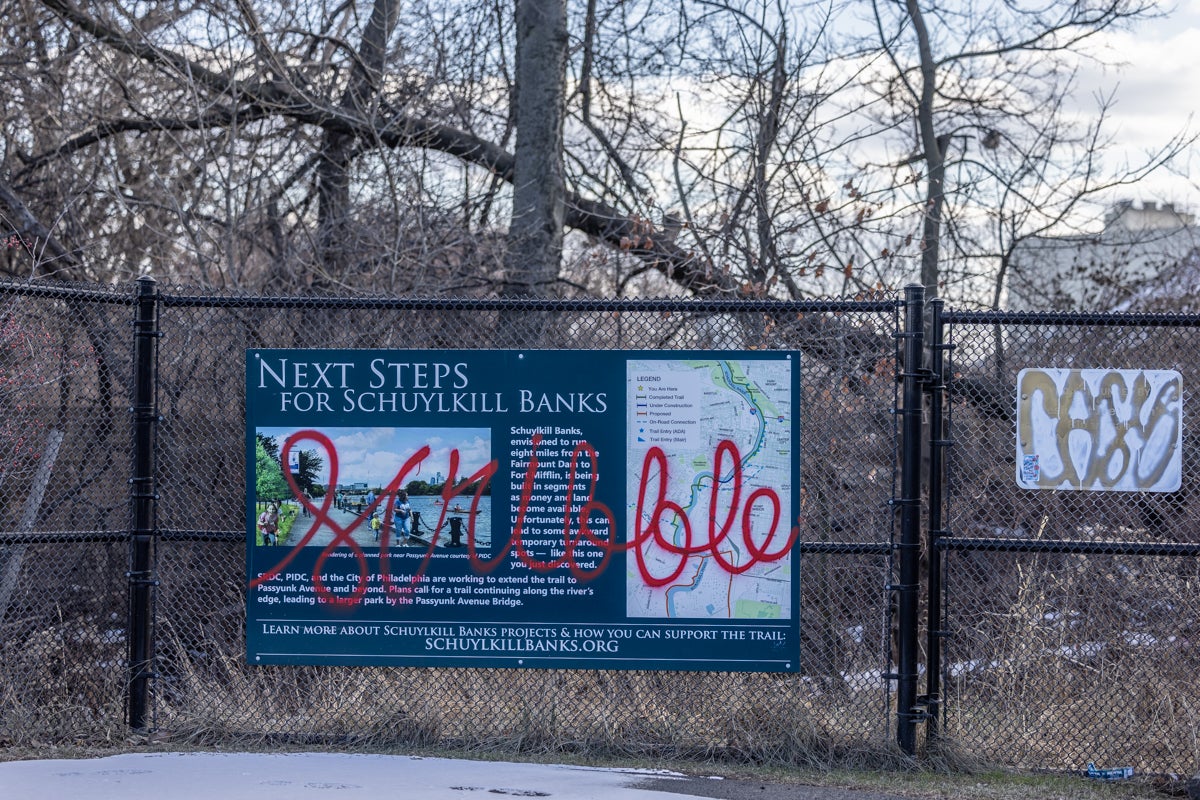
(308, 776)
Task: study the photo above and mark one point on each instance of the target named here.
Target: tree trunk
(333, 203)
(935, 163)
(333, 171)
(11, 562)
(535, 232)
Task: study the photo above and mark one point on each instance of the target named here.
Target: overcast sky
(1154, 75)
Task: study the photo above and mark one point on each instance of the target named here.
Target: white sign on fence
(1100, 429)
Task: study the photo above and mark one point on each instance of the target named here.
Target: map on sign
(709, 488)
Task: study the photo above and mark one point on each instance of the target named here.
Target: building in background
(1119, 268)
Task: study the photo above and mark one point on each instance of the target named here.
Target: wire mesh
(203, 688)
(1071, 611)
(64, 444)
(1071, 614)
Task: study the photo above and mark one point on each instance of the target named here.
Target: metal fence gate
(1067, 623)
(122, 542)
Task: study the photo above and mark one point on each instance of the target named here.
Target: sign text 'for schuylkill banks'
(614, 509)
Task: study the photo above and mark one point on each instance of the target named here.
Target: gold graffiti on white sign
(1099, 429)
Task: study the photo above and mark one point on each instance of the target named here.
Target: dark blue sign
(577, 509)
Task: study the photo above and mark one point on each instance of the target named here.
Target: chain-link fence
(1063, 619)
(70, 500)
(1071, 611)
(64, 498)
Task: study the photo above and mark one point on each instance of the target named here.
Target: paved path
(328, 776)
(361, 534)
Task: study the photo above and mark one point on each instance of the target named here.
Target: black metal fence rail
(83, 293)
(632, 306)
(1077, 319)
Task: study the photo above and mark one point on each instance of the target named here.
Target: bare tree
(982, 88)
(294, 142)
(742, 148)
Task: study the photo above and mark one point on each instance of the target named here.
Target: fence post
(937, 445)
(144, 411)
(909, 546)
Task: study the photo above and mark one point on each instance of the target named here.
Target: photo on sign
(709, 489)
(355, 478)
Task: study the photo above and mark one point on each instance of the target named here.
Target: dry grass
(736, 719)
(1028, 689)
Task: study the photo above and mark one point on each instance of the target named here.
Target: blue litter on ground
(1113, 774)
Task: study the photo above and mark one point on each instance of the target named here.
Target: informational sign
(1100, 429)
(566, 509)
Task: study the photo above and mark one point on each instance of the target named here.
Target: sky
(1152, 74)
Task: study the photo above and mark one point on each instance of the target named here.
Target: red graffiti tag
(582, 522)
(648, 524)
